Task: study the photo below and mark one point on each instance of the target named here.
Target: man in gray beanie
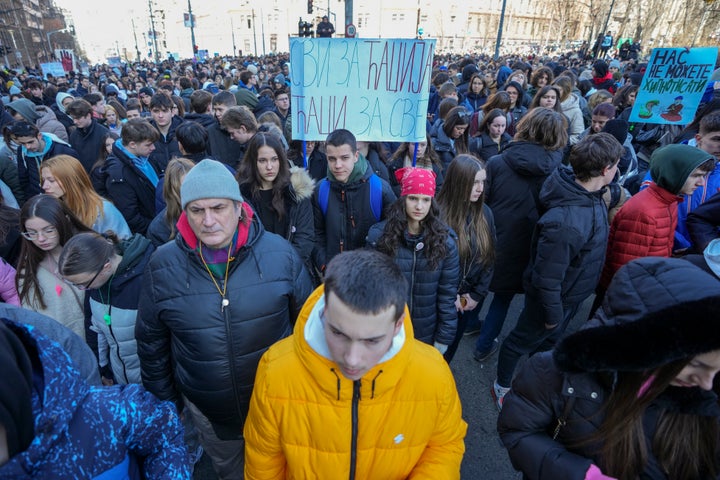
(213, 301)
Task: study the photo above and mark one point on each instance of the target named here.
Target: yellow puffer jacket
(300, 424)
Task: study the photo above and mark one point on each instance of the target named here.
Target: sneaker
(498, 393)
(482, 356)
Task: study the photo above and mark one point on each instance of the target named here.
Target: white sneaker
(498, 394)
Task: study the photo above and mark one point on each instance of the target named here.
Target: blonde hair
(79, 197)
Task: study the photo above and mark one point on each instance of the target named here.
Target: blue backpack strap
(323, 194)
(376, 196)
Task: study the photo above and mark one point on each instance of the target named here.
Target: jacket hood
(503, 74)
(468, 71)
(670, 166)
(56, 383)
(648, 318)
(571, 102)
(302, 183)
(59, 98)
(25, 108)
(309, 339)
(204, 119)
(531, 159)
(561, 190)
(133, 250)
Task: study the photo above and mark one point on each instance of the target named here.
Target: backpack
(375, 195)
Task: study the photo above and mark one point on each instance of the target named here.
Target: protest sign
(53, 68)
(66, 57)
(673, 85)
(376, 88)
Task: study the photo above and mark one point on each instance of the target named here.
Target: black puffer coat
(130, 190)
(432, 294)
(541, 392)
(301, 227)
(348, 218)
(568, 246)
(189, 345)
(475, 277)
(514, 179)
(166, 148)
(87, 142)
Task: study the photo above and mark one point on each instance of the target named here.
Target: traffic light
(301, 28)
(195, 49)
(310, 6)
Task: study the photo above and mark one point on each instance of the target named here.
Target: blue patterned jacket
(85, 432)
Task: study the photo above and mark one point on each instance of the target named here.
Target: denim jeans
(494, 320)
(530, 336)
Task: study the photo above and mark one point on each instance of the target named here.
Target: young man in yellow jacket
(351, 394)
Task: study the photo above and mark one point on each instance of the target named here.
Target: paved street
(485, 458)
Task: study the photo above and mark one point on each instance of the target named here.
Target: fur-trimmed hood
(656, 310)
(302, 183)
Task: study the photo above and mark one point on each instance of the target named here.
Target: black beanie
(618, 128)
(601, 68)
(15, 391)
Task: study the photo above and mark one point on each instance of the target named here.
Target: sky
(105, 27)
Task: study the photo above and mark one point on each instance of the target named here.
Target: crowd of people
(291, 308)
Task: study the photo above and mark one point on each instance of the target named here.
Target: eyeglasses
(86, 285)
(464, 114)
(47, 232)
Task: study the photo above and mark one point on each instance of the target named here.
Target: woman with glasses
(65, 178)
(112, 272)
(451, 138)
(47, 225)
(517, 110)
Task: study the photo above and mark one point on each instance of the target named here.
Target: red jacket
(644, 227)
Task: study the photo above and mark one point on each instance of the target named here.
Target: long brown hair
(466, 218)
(435, 232)
(685, 445)
(65, 222)
(174, 175)
(456, 117)
(80, 197)
(545, 127)
(248, 174)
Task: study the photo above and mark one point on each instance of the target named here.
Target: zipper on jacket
(231, 355)
(353, 443)
(117, 352)
(412, 280)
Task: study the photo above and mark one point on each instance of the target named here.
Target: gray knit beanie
(209, 179)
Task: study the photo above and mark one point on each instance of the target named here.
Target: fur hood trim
(657, 310)
(302, 183)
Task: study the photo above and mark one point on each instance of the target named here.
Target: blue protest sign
(376, 88)
(673, 85)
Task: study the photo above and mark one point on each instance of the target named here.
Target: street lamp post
(500, 28)
(192, 28)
